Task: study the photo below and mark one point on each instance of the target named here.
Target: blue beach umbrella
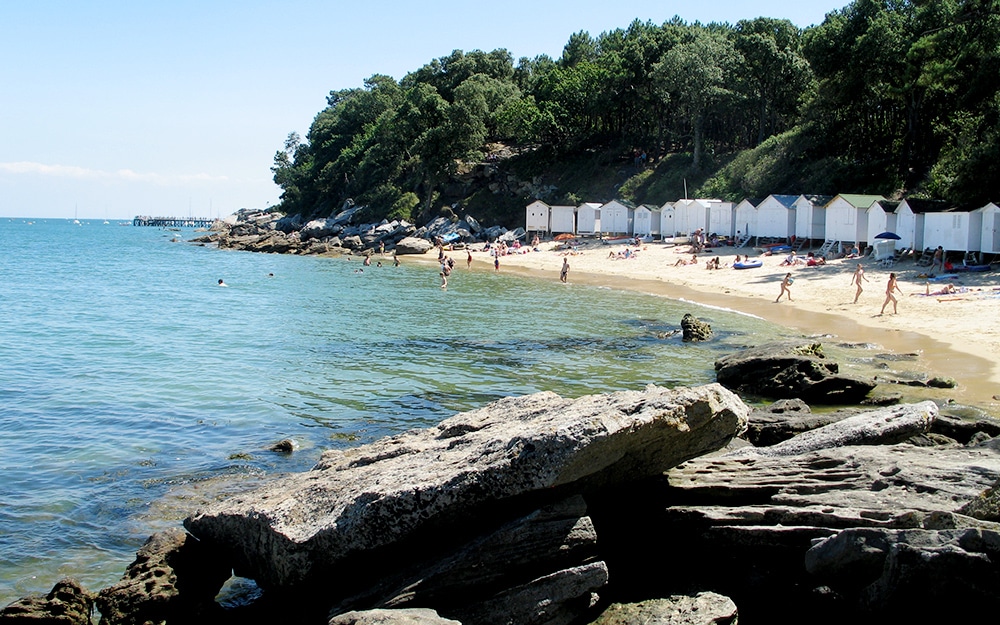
(888, 235)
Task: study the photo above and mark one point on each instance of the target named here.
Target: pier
(173, 222)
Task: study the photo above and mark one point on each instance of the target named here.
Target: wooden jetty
(172, 222)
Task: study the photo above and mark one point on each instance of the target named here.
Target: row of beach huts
(844, 219)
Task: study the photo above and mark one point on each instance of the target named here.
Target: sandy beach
(955, 334)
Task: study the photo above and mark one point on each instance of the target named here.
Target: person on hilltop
(859, 277)
(785, 283)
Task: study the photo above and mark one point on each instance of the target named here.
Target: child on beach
(785, 283)
(889, 297)
(859, 276)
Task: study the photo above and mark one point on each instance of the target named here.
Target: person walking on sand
(468, 259)
(859, 276)
(496, 262)
(889, 297)
(564, 272)
(785, 283)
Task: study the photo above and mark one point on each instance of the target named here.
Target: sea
(132, 385)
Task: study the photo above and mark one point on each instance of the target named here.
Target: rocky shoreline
(663, 505)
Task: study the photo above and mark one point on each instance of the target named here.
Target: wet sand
(956, 335)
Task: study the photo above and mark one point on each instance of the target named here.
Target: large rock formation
(791, 369)
(392, 512)
(172, 577)
(68, 603)
(742, 524)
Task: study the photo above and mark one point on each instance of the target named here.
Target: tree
(695, 77)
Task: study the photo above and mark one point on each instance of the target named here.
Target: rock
(986, 505)
(284, 446)
(912, 574)
(742, 526)
(411, 616)
(478, 582)
(942, 383)
(695, 329)
(883, 399)
(173, 577)
(964, 430)
(791, 369)
(437, 481)
(705, 608)
(556, 599)
(413, 245)
(68, 603)
(786, 418)
(884, 426)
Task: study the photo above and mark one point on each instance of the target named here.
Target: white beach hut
(881, 218)
(745, 217)
(537, 217)
(721, 218)
(690, 215)
(616, 217)
(910, 221)
(655, 220)
(847, 218)
(588, 218)
(776, 216)
(642, 221)
(954, 230)
(990, 243)
(810, 217)
(562, 219)
(668, 222)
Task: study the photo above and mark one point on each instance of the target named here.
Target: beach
(955, 334)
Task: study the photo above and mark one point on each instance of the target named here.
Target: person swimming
(221, 283)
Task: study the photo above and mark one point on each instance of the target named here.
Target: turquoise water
(126, 373)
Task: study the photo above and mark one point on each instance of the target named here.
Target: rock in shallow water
(477, 464)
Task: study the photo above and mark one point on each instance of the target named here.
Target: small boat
(750, 264)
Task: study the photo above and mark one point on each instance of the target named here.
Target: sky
(116, 108)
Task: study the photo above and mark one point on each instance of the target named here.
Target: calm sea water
(126, 373)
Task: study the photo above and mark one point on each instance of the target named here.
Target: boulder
(695, 329)
(485, 580)
(173, 577)
(760, 515)
(413, 245)
(883, 426)
(411, 616)
(68, 603)
(704, 608)
(435, 484)
(790, 369)
(912, 574)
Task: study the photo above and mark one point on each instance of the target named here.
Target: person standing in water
(889, 297)
(564, 272)
(468, 259)
(785, 283)
(859, 276)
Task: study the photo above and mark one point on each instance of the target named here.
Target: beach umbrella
(888, 235)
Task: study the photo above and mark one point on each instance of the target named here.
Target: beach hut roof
(888, 206)
(919, 205)
(859, 201)
(818, 200)
(785, 200)
(753, 201)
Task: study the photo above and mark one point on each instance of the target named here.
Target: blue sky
(115, 108)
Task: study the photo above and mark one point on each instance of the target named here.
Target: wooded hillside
(893, 97)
